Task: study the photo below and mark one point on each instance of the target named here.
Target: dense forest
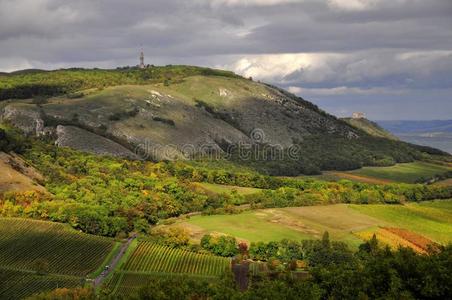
(323, 152)
(110, 196)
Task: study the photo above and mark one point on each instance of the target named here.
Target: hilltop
(185, 112)
(370, 127)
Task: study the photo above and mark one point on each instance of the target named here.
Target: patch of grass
(251, 226)
(407, 172)
(227, 189)
(439, 204)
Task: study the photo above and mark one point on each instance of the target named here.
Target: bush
(220, 245)
(173, 236)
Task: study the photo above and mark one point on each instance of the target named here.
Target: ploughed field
(37, 256)
(148, 260)
(431, 220)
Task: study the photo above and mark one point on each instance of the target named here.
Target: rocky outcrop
(77, 138)
(26, 117)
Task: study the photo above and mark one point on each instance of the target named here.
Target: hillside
(370, 127)
(121, 198)
(180, 112)
(17, 176)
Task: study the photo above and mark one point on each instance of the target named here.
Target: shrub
(220, 245)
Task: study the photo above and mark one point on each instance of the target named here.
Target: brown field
(412, 237)
(398, 237)
(387, 238)
(359, 178)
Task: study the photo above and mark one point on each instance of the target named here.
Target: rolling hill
(182, 112)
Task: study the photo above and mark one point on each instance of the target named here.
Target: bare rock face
(198, 116)
(80, 139)
(28, 118)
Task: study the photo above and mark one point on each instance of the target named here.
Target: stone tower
(142, 60)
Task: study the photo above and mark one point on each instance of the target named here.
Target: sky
(391, 59)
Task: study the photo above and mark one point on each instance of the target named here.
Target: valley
(226, 150)
(120, 183)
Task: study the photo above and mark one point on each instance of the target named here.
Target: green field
(62, 255)
(227, 189)
(408, 172)
(252, 226)
(149, 260)
(430, 219)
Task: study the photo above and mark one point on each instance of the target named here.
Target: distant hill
(417, 126)
(186, 112)
(434, 133)
(370, 127)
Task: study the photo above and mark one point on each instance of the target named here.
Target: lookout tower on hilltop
(141, 65)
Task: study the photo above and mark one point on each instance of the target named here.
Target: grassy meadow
(407, 172)
(432, 219)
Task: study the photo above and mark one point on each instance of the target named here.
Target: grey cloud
(367, 41)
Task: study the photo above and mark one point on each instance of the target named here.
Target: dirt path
(99, 279)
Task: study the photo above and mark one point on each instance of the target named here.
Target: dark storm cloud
(339, 52)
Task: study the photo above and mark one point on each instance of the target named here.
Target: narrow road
(99, 279)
